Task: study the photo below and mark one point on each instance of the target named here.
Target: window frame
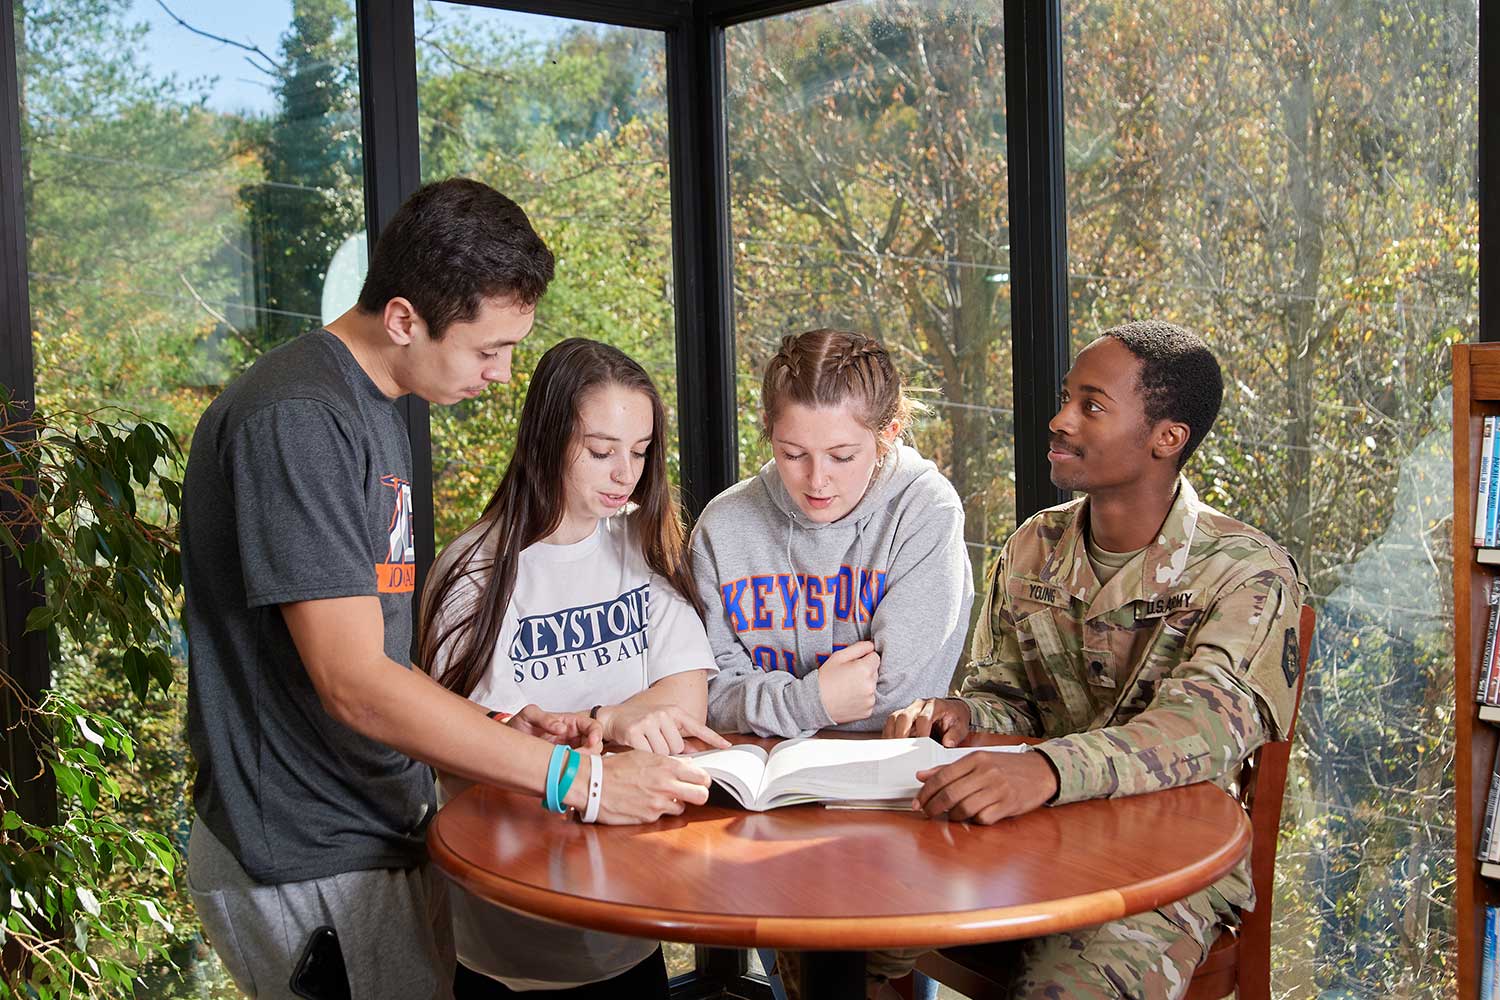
(694, 35)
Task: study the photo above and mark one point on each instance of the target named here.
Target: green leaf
(84, 544)
(162, 850)
(137, 673)
(149, 906)
(88, 732)
(111, 487)
(69, 780)
(163, 670)
(39, 618)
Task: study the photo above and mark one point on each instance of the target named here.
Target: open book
(851, 774)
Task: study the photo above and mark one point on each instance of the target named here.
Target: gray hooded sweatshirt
(784, 593)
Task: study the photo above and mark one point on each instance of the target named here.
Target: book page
(843, 769)
(942, 755)
(947, 755)
(740, 769)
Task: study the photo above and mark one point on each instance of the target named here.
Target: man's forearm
(339, 642)
(410, 712)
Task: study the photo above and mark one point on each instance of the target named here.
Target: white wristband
(596, 787)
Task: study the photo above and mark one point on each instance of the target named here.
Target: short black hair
(449, 247)
(1179, 379)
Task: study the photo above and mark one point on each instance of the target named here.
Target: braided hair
(829, 368)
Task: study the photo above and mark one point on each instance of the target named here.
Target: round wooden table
(810, 878)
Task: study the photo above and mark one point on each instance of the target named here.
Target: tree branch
(277, 67)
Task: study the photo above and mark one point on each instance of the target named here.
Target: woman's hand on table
(987, 787)
(657, 728)
(641, 787)
(568, 728)
(944, 719)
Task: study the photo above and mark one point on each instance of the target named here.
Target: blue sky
(231, 82)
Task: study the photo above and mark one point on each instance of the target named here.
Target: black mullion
(724, 13)
(23, 657)
(1489, 171)
(701, 262)
(1038, 237)
(393, 170)
(658, 15)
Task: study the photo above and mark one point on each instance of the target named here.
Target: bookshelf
(1476, 395)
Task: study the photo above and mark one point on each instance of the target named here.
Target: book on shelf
(1488, 842)
(1487, 970)
(1482, 494)
(1487, 690)
(1490, 477)
(868, 774)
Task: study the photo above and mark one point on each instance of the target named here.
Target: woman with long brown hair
(573, 592)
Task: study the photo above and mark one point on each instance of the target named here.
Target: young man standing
(304, 717)
(1148, 638)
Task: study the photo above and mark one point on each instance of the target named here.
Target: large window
(569, 119)
(868, 191)
(1297, 183)
(190, 177)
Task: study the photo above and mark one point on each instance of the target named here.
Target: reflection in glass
(569, 119)
(184, 197)
(1297, 184)
(868, 191)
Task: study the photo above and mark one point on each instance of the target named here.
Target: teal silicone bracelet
(554, 771)
(570, 771)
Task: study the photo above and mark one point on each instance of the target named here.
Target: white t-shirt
(589, 624)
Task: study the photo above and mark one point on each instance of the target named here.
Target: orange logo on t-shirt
(398, 574)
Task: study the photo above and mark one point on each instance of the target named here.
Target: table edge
(939, 929)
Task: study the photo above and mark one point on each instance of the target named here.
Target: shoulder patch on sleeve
(1289, 664)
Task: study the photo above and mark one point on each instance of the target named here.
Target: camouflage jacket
(1172, 673)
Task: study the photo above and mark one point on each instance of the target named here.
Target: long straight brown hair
(528, 506)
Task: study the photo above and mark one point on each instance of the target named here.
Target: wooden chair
(1239, 962)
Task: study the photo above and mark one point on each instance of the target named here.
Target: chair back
(1241, 962)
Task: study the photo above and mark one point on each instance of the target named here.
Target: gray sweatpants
(393, 924)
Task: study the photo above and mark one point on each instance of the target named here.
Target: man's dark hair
(449, 247)
(1179, 379)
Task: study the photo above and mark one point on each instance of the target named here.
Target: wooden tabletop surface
(809, 877)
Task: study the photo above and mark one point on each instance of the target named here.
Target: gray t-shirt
(298, 488)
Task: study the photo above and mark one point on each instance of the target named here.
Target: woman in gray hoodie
(836, 580)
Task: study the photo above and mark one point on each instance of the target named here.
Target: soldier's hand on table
(569, 728)
(944, 719)
(987, 787)
(846, 682)
(640, 787)
(658, 728)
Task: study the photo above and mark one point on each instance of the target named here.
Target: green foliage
(575, 131)
(79, 910)
(1290, 181)
(310, 199)
(869, 191)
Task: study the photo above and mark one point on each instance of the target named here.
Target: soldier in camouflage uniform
(1149, 639)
